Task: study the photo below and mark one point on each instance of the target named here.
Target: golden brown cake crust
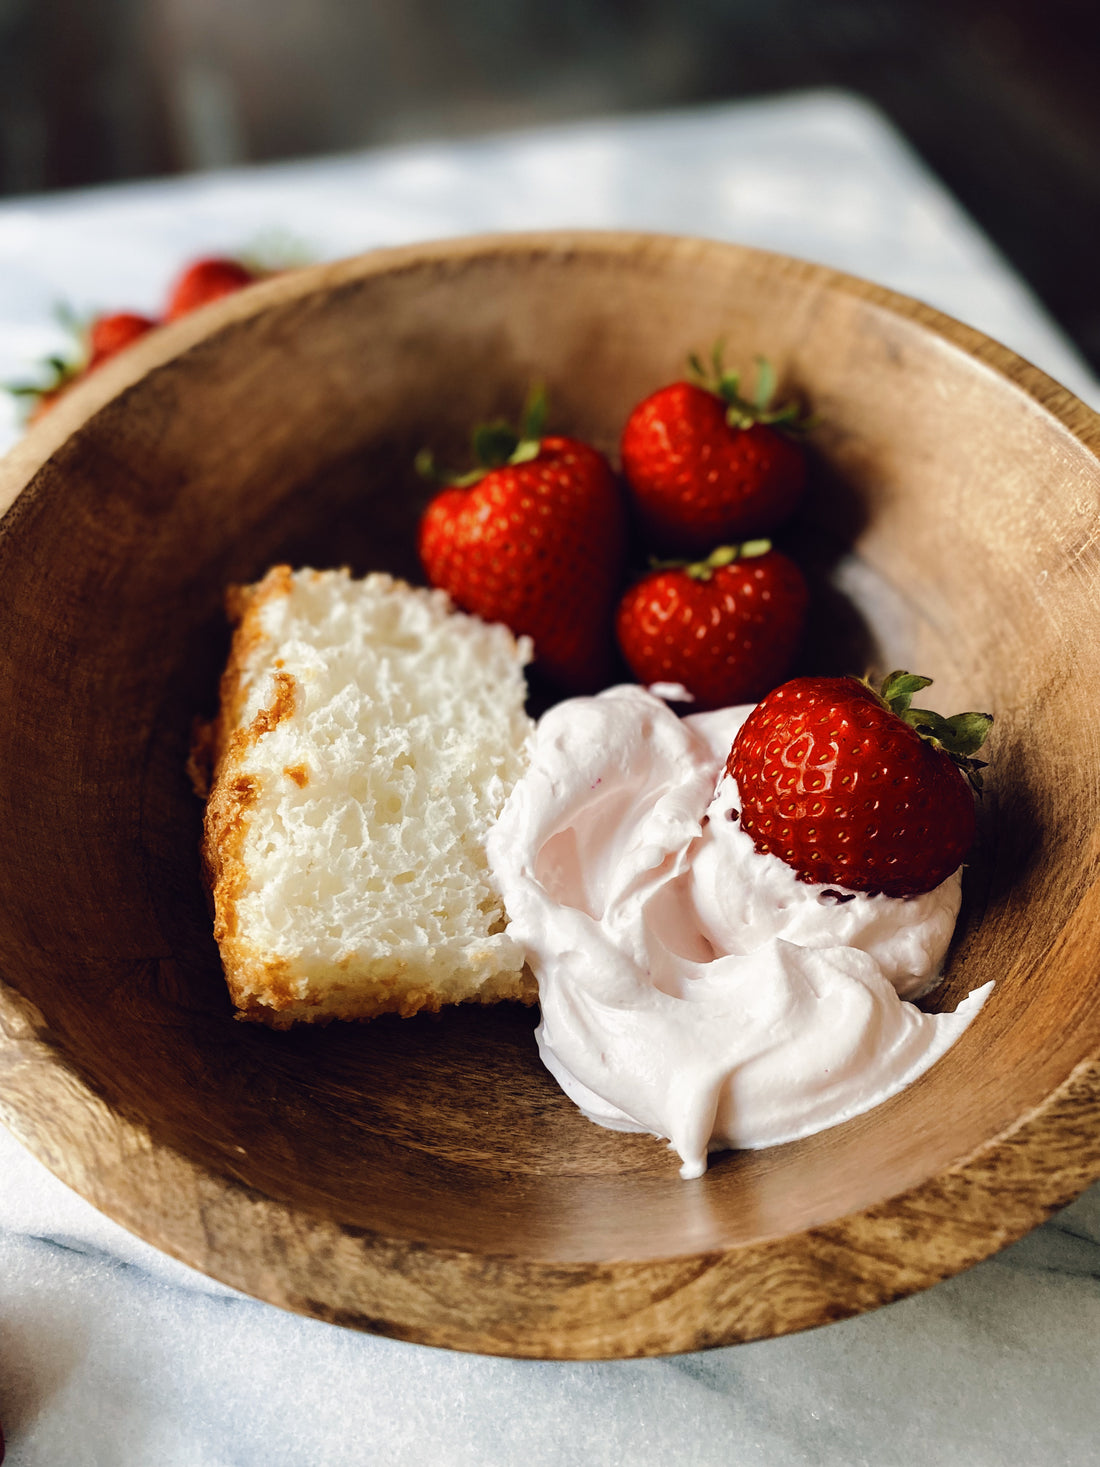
(221, 746)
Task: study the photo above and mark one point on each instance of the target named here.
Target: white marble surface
(112, 1355)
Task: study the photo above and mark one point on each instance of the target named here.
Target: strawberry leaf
(703, 570)
(967, 732)
(466, 481)
(533, 420)
(898, 689)
(960, 736)
(494, 444)
(765, 383)
(724, 555)
(928, 724)
(426, 466)
(70, 320)
(745, 412)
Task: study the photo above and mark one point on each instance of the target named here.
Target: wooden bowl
(425, 1178)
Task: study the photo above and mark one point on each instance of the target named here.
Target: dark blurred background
(999, 96)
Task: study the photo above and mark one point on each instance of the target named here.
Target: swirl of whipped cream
(690, 986)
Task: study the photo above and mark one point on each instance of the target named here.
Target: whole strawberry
(93, 343)
(108, 335)
(856, 789)
(726, 627)
(533, 538)
(708, 466)
(207, 280)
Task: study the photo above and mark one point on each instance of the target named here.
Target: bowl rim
(553, 1310)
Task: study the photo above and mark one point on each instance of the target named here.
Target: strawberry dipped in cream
(694, 984)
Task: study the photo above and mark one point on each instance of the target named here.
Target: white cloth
(112, 1355)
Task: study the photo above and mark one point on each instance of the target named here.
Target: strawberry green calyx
(61, 369)
(960, 737)
(746, 412)
(495, 444)
(59, 372)
(703, 570)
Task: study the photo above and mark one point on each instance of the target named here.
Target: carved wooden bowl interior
(425, 1178)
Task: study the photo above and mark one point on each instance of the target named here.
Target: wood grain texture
(425, 1178)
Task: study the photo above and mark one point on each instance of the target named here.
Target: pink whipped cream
(691, 987)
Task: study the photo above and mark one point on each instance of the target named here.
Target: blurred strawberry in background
(109, 334)
(208, 280)
(94, 342)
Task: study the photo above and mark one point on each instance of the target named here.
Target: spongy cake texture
(367, 738)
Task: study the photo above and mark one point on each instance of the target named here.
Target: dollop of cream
(690, 986)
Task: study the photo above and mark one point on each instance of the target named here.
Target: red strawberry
(109, 334)
(205, 281)
(534, 539)
(708, 466)
(859, 790)
(92, 344)
(727, 627)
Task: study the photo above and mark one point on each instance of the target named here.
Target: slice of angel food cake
(367, 738)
